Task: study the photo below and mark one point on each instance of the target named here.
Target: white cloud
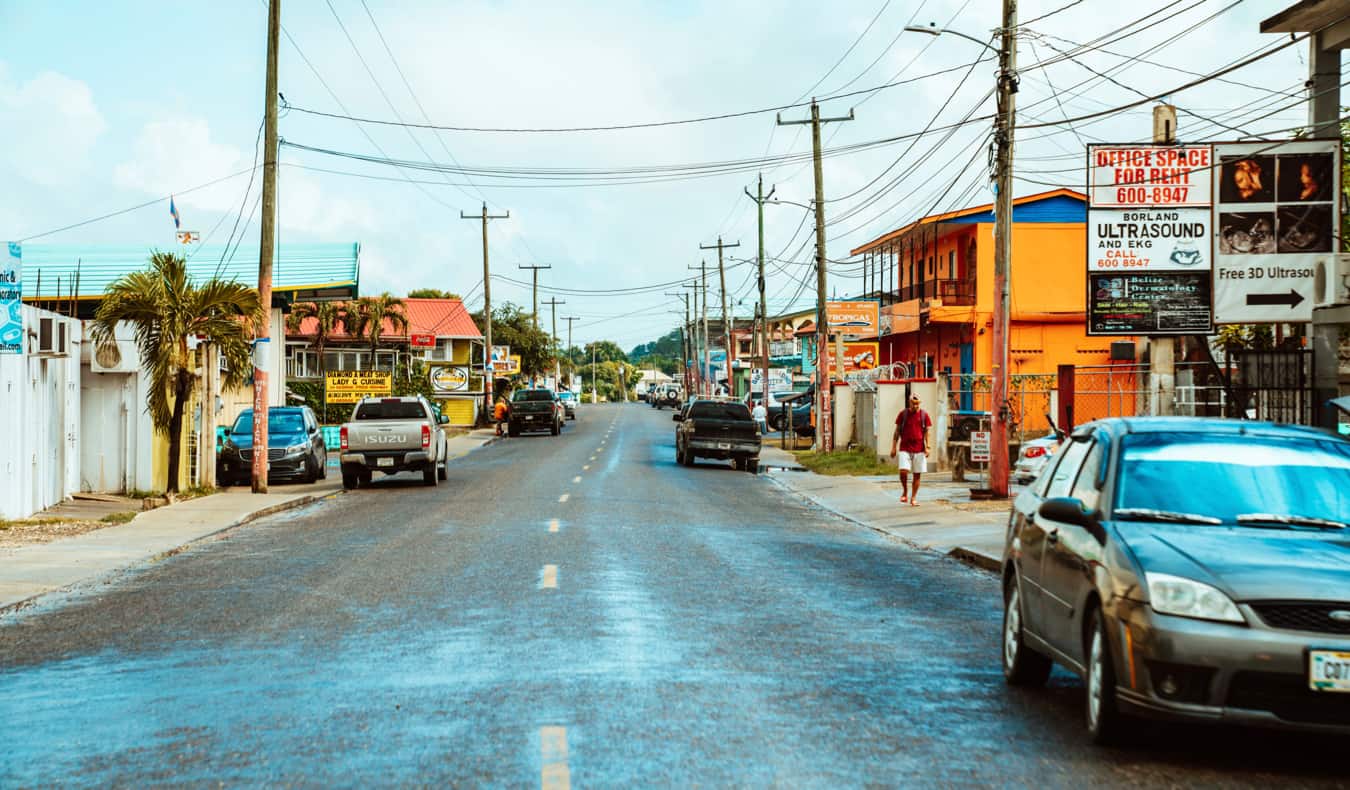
(51, 125)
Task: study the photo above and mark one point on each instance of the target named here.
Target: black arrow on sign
(1291, 299)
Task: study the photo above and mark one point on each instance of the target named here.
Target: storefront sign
(1159, 303)
(854, 318)
(449, 378)
(1148, 239)
(11, 301)
(857, 357)
(780, 379)
(1276, 212)
(1126, 176)
(350, 386)
(422, 341)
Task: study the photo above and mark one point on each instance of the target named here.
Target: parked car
(1193, 569)
(1033, 456)
(569, 402)
(295, 448)
(800, 412)
(774, 403)
(719, 429)
(536, 410)
(391, 435)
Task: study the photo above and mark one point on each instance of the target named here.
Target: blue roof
(303, 270)
(1057, 208)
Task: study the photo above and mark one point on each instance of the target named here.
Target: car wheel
(429, 474)
(1022, 666)
(752, 466)
(442, 472)
(366, 476)
(738, 464)
(512, 430)
(688, 458)
(349, 480)
(556, 429)
(1105, 723)
(323, 468)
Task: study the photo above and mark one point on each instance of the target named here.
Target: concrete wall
(843, 415)
(39, 423)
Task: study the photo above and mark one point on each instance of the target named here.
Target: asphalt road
(577, 610)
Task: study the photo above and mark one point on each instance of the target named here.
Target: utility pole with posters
(534, 290)
(1003, 187)
(262, 347)
(759, 197)
(824, 428)
(569, 319)
(488, 374)
(726, 325)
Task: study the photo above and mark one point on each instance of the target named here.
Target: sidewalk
(939, 523)
(32, 571)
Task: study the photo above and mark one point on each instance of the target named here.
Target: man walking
(761, 416)
(911, 437)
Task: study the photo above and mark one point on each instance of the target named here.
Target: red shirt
(913, 426)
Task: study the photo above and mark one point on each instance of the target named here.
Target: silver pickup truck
(393, 435)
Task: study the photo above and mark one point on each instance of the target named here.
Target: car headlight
(1189, 598)
(295, 448)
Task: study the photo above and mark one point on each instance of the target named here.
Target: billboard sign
(1148, 240)
(857, 357)
(11, 300)
(854, 318)
(1276, 212)
(1131, 176)
(449, 378)
(780, 379)
(350, 386)
(1149, 303)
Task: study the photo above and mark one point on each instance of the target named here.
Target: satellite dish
(108, 356)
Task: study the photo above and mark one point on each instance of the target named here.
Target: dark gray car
(1187, 568)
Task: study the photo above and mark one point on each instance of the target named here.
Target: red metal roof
(439, 317)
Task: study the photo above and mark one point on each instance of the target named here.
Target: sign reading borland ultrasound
(1148, 239)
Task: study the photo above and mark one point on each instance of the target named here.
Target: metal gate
(1273, 385)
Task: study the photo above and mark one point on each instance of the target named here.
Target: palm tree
(328, 317)
(166, 307)
(372, 312)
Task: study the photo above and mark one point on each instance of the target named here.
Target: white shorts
(912, 462)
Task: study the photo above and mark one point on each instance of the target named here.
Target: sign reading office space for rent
(11, 300)
(350, 386)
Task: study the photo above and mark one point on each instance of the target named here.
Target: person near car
(500, 413)
(911, 441)
(761, 416)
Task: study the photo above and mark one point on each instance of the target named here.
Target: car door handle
(1052, 536)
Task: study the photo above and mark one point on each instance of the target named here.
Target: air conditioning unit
(120, 358)
(1331, 280)
(51, 337)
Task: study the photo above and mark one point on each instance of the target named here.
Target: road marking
(592, 458)
(564, 497)
(553, 525)
(553, 771)
(576, 479)
(586, 468)
(548, 578)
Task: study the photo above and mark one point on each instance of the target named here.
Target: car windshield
(390, 410)
(277, 422)
(1226, 477)
(524, 395)
(719, 411)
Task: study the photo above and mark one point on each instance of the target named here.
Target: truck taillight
(343, 434)
(426, 436)
(1033, 451)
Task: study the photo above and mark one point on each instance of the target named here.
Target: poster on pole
(1150, 240)
(1276, 212)
(11, 300)
(350, 386)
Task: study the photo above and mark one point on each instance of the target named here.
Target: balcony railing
(957, 292)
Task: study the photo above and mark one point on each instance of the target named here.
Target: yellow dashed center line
(564, 497)
(548, 578)
(553, 525)
(553, 770)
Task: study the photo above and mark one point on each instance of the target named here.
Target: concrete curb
(975, 559)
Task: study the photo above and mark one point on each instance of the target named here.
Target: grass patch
(137, 493)
(118, 518)
(845, 462)
(196, 491)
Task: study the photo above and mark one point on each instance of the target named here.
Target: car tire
(429, 475)
(688, 458)
(1105, 723)
(441, 472)
(308, 475)
(738, 464)
(349, 480)
(512, 430)
(752, 465)
(1022, 666)
(323, 468)
(365, 476)
(556, 429)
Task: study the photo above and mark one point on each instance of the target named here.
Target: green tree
(514, 327)
(371, 313)
(329, 316)
(166, 307)
(431, 293)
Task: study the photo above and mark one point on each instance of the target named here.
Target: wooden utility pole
(488, 374)
(557, 370)
(705, 361)
(534, 290)
(686, 345)
(824, 422)
(262, 353)
(1003, 224)
(569, 319)
(759, 197)
(722, 280)
(1163, 350)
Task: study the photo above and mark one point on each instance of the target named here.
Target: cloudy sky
(107, 105)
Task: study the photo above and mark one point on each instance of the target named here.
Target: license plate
(1329, 670)
(529, 416)
(724, 445)
(384, 462)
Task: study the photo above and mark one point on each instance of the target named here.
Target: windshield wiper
(1149, 514)
(1293, 521)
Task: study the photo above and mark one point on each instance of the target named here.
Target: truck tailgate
(384, 436)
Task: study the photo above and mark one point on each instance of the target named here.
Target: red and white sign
(422, 341)
(1138, 176)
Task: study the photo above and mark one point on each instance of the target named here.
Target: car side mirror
(443, 420)
(676, 417)
(1066, 510)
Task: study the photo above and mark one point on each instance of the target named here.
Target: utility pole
(593, 397)
(704, 362)
(534, 291)
(1163, 350)
(759, 197)
(262, 354)
(686, 344)
(1003, 222)
(824, 422)
(569, 319)
(557, 370)
(487, 309)
(722, 279)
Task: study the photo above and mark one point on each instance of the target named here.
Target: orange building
(935, 280)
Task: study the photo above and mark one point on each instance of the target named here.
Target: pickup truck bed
(392, 435)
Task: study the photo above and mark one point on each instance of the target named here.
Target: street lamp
(1004, 124)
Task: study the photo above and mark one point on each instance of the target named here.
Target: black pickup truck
(535, 410)
(720, 429)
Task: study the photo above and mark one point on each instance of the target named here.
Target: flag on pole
(173, 212)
